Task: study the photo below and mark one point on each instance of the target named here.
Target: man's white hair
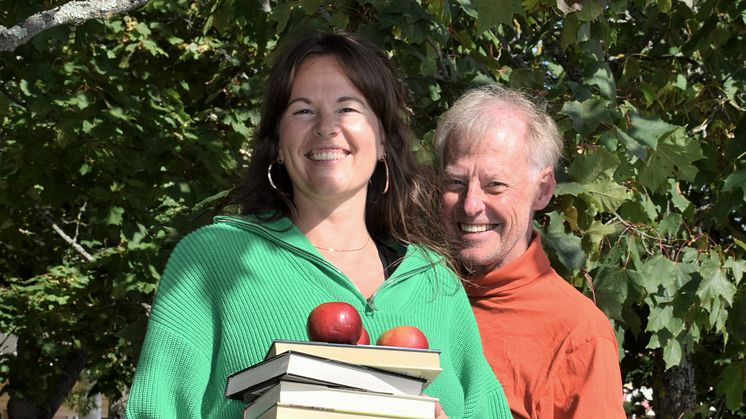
(469, 118)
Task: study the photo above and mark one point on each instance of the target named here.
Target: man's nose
(473, 201)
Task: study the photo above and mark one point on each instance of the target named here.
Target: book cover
(347, 401)
(423, 363)
(250, 382)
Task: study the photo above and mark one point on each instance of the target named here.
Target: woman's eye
(302, 112)
(347, 110)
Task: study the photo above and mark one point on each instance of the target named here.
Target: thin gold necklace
(333, 250)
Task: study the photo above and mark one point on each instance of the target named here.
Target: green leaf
(614, 286)
(681, 151)
(663, 318)
(310, 7)
(587, 115)
(584, 9)
(651, 209)
(469, 7)
(591, 10)
(738, 267)
(732, 384)
(567, 247)
(677, 199)
(84, 169)
(599, 74)
(664, 5)
(715, 285)
(569, 34)
(492, 13)
(647, 130)
(593, 164)
(672, 353)
(119, 113)
(736, 180)
(599, 231)
(115, 216)
(659, 273)
(607, 195)
(281, 15)
(634, 148)
(675, 155)
(670, 225)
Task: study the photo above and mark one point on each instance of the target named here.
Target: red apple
(364, 338)
(403, 336)
(334, 322)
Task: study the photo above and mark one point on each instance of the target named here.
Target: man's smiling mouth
(476, 228)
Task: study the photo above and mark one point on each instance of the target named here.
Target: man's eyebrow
(451, 172)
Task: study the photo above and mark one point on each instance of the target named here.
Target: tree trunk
(28, 398)
(673, 389)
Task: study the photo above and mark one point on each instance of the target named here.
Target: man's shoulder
(570, 305)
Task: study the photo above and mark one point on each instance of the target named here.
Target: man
(554, 352)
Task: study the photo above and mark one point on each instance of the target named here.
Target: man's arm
(589, 382)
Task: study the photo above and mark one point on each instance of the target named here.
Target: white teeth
(476, 228)
(326, 155)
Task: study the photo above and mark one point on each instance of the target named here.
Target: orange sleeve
(589, 382)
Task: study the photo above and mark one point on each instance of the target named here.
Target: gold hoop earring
(386, 168)
(269, 174)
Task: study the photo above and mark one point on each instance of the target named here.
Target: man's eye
(496, 187)
(454, 183)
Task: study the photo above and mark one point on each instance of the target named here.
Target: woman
(336, 209)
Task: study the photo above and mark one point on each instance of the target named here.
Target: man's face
(491, 192)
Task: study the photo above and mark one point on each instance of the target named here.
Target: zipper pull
(369, 306)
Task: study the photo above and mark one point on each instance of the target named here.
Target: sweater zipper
(370, 303)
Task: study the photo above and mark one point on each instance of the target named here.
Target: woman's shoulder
(223, 231)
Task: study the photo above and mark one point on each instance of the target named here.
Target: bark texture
(74, 12)
(674, 389)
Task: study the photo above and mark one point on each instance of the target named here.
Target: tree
(123, 133)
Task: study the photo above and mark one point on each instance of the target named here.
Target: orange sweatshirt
(552, 349)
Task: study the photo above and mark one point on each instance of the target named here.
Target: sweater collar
(512, 276)
(279, 229)
(283, 230)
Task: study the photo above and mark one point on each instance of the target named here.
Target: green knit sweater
(232, 287)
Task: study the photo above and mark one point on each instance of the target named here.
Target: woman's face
(330, 138)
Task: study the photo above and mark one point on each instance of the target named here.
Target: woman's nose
(326, 125)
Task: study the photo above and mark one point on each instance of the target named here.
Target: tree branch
(74, 12)
(75, 245)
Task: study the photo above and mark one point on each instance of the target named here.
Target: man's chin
(474, 260)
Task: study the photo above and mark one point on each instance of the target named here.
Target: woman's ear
(382, 144)
(280, 157)
(545, 191)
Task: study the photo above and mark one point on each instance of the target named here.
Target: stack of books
(327, 380)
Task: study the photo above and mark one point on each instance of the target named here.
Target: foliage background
(123, 133)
